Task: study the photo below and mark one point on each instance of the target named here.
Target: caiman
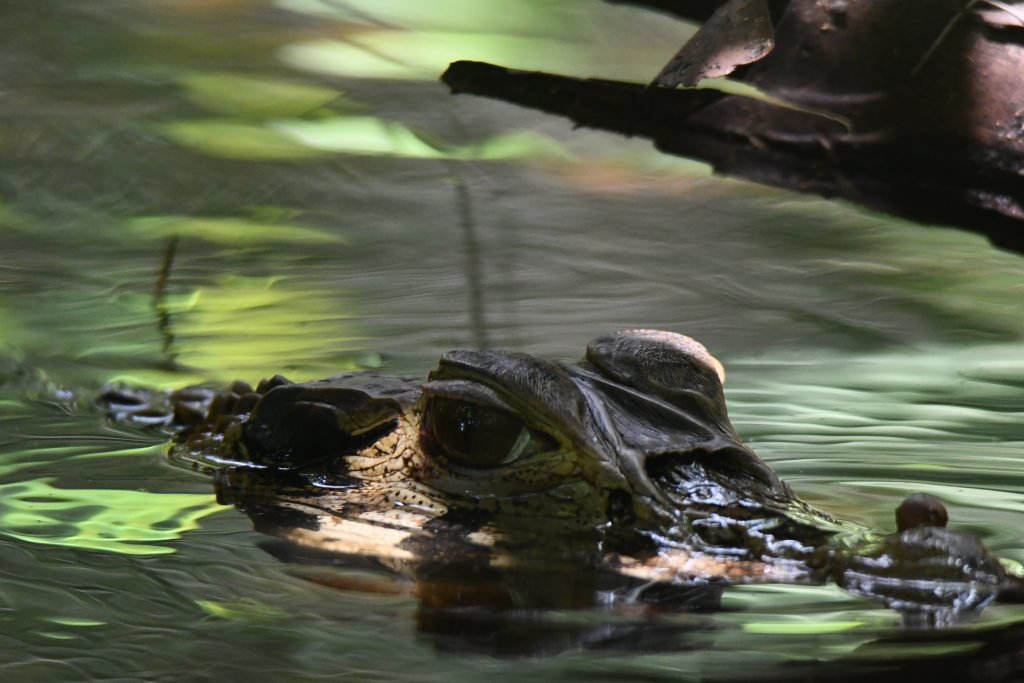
(553, 484)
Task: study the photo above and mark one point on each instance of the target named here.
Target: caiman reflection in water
(512, 481)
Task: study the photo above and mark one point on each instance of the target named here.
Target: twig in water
(163, 314)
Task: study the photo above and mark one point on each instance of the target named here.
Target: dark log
(934, 102)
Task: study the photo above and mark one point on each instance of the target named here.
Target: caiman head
(624, 464)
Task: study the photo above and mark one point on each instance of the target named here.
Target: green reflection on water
(235, 232)
(256, 98)
(9, 216)
(357, 135)
(398, 39)
(10, 332)
(801, 626)
(421, 56)
(243, 609)
(507, 16)
(510, 32)
(54, 635)
(244, 327)
(76, 621)
(767, 597)
(907, 650)
(112, 520)
(233, 140)
(16, 461)
(373, 136)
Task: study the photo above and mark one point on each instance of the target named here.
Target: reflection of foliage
(128, 522)
(498, 16)
(244, 609)
(16, 461)
(9, 216)
(421, 55)
(258, 326)
(800, 626)
(363, 135)
(233, 140)
(8, 333)
(256, 98)
(373, 136)
(231, 327)
(273, 120)
(409, 39)
(533, 29)
(234, 232)
(251, 327)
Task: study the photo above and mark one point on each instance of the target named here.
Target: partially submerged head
(640, 421)
(625, 459)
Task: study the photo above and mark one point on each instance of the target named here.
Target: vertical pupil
(465, 425)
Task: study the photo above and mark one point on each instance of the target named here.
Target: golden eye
(476, 436)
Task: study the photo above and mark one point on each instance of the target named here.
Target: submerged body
(603, 477)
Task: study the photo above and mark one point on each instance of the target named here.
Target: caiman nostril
(920, 510)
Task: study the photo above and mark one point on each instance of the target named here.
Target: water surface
(331, 207)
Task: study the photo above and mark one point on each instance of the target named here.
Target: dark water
(336, 208)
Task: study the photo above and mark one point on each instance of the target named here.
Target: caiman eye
(476, 436)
